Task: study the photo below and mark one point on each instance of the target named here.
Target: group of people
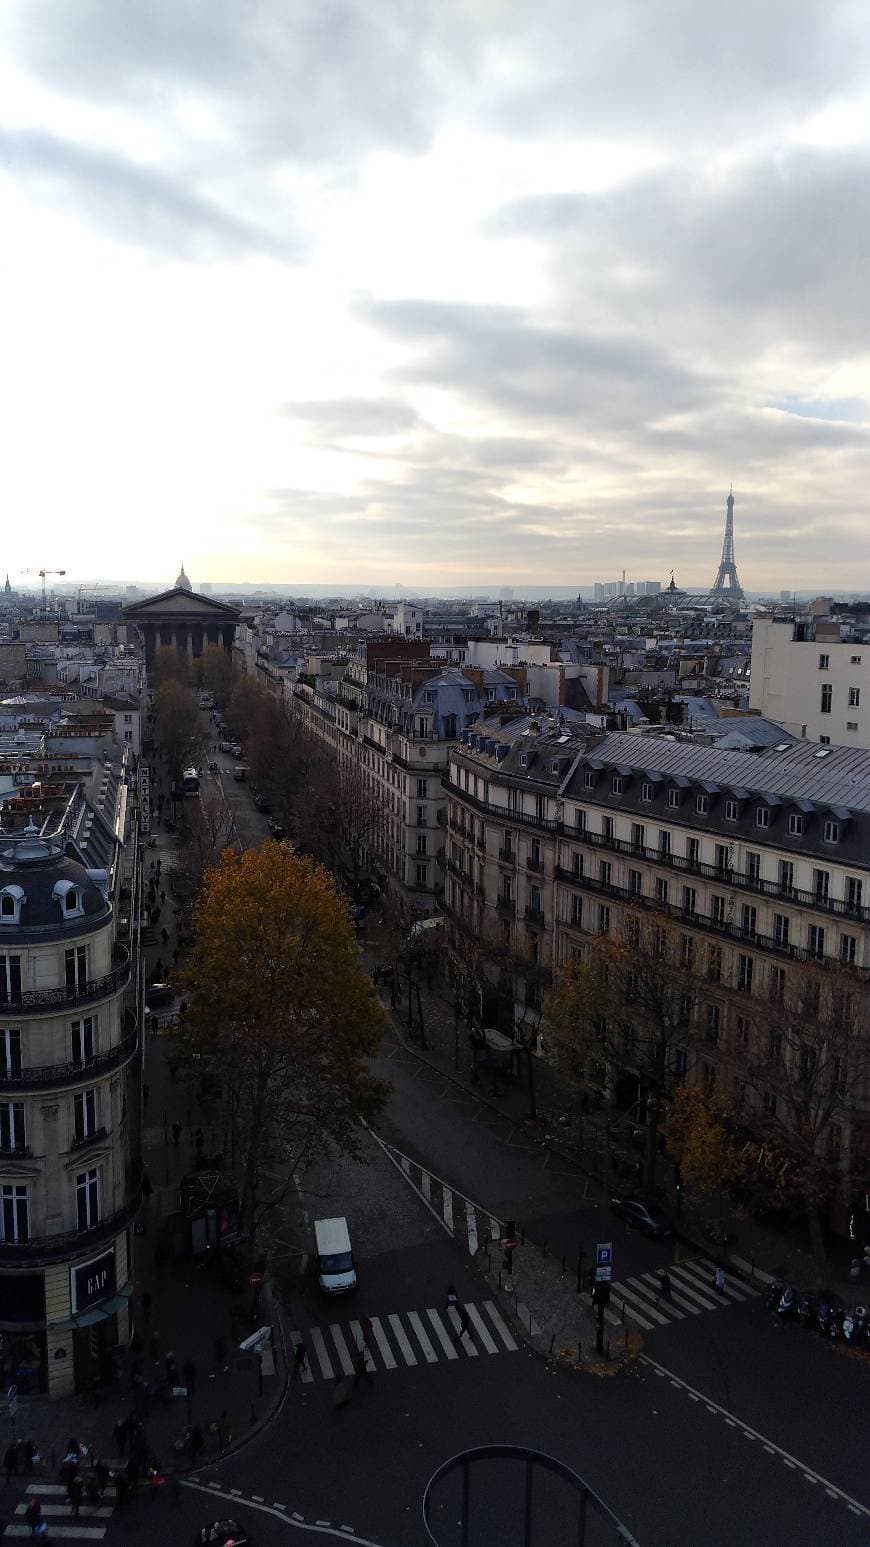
(20, 1456)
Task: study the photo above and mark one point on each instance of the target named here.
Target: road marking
(790, 1461)
(628, 1310)
(258, 1498)
(442, 1334)
(500, 1327)
(485, 1336)
(447, 1205)
(402, 1339)
(342, 1351)
(323, 1358)
(69, 1533)
(494, 1230)
(426, 1184)
(672, 1301)
(91, 1511)
(43, 1489)
(422, 1337)
(688, 1285)
(646, 1309)
(471, 1226)
(295, 1519)
(383, 1343)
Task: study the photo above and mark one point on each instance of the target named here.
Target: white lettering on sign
(96, 1282)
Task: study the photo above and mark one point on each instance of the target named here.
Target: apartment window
(541, 807)
(795, 825)
(14, 1213)
(632, 935)
(603, 919)
(708, 1075)
(422, 727)
(75, 964)
(723, 858)
(605, 872)
(854, 698)
(12, 1125)
(635, 883)
(824, 662)
(10, 979)
(535, 904)
(638, 836)
(687, 951)
(576, 908)
(851, 725)
(686, 1009)
(693, 852)
(422, 843)
(824, 741)
(731, 812)
(776, 983)
(817, 940)
(607, 828)
(647, 791)
(854, 660)
(665, 844)
(507, 888)
(85, 1114)
(422, 875)
(577, 863)
(505, 935)
(762, 816)
(10, 1053)
(717, 910)
(848, 949)
(507, 848)
(82, 1040)
(714, 1016)
(589, 780)
(702, 804)
(753, 868)
(768, 1102)
(741, 1030)
(831, 832)
(88, 1198)
(745, 968)
(673, 798)
(821, 885)
(128, 719)
(680, 1063)
(781, 928)
(689, 899)
(421, 816)
(616, 785)
(661, 890)
(827, 696)
(535, 854)
(786, 877)
(748, 921)
(581, 821)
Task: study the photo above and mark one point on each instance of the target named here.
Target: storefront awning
(95, 1313)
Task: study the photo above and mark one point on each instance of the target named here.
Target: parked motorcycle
(774, 1292)
(806, 1310)
(788, 1303)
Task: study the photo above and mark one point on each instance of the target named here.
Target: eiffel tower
(726, 582)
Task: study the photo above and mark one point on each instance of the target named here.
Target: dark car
(222, 1533)
(157, 994)
(263, 803)
(644, 1215)
(276, 829)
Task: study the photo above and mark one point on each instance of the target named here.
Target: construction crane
(42, 575)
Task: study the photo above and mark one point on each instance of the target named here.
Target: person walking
(103, 1476)
(664, 1282)
(224, 1434)
(197, 1444)
(164, 935)
(188, 1370)
(719, 1280)
(33, 1516)
(360, 1367)
(367, 1332)
(464, 1325)
(10, 1460)
(452, 1297)
(74, 1493)
(300, 1361)
(29, 1454)
(176, 1133)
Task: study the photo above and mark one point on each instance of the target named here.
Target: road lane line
(447, 1205)
(383, 1344)
(341, 1349)
(790, 1461)
(492, 1312)
(729, 1290)
(422, 1337)
(477, 1321)
(471, 1227)
(323, 1358)
(494, 1230)
(402, 1339)
(442, 1334)
(68, 1533)
(426, 1185)
(296, 1520)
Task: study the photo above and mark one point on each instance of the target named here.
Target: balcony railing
(69, 1243)
(746, 937)
(507, 856)
(535, 916)
(84, 1140)
(44, 1076)
(510, 818)
(32, 1001)
(725, 875)
(506, 905)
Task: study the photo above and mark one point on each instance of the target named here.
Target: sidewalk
(192, 1314)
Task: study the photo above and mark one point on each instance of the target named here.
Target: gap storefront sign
(92, 1281)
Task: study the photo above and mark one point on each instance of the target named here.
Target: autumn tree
(699, 1142)
(177, 727)
(169, 665)
(216, 673)
(208, 830)
(283, 1016)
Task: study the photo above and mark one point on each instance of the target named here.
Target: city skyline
(460, 295)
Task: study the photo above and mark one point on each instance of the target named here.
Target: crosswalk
(403, 1339)
(465, 1220)
(89, 1526)
(692, 1294)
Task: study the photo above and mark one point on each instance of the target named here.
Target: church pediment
(182, 604)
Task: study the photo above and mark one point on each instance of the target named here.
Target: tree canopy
(283, 1016)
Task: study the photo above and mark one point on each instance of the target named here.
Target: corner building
(68, 1192)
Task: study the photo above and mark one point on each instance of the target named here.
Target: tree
(169, 665)
(177, 727)
(208, 830)
(283, 1016)
(216, 673)
(698, 1141)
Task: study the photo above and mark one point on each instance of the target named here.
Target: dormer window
(11, 898)
(730, 811)
(673, 798)
(702, 804)
(646, 791)
(616, 784)
(832, 832)
(589, 780)
(762, 816)
(70, 898)
(795, 825)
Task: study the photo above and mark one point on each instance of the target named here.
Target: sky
(435, 292)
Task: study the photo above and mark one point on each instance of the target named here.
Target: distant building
(182, 583)
(813, 677)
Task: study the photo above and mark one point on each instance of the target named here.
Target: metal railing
(44, 1076)
(69, 1243)
(31, 1001)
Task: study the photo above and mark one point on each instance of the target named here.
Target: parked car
(158, 994)
(226, 746)
(222, 1533)
(263, 803)
(240, 774)
(644, 1215)
(276, 830)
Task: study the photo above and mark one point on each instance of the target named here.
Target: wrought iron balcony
(38, 1000)
(506, 905)
(69, 1243)
(46, 1076)
(507, 854)
(535, 916)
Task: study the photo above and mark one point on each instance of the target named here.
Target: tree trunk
(817, 1242)
(649, 1167)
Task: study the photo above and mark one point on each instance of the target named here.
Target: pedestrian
(146, 1307)
(74, 1490)
(223, 1431)
(341, 1395)
(197, 1444)
(176, 1132)
(155, 1346)
(199, 1141)
(719, 1280)
(300, 1360)
(33, 1516)
(452, 1297)
(103, 1475)
(367, 1331)
(664, 1282)
(360, 1367)
(464, 1324)
(146, 1092)
(29, 1454)
(188, 1370)
(164, 935)
(10, 1460)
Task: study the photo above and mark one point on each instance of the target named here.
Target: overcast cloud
(384, 291)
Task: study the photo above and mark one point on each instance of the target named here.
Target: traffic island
(539, 1291)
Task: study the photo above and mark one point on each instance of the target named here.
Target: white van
(336, 1274)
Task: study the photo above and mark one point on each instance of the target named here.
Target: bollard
(607, 1351)
(253, 1413)
(530, 1323)
(579, 1354)
(552, 1341)
(544, 1250)
(626, 1338)
(499, 1278)
(516, 1306)
(563, 1264)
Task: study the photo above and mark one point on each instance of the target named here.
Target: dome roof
(45, 874)
(182, 583)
